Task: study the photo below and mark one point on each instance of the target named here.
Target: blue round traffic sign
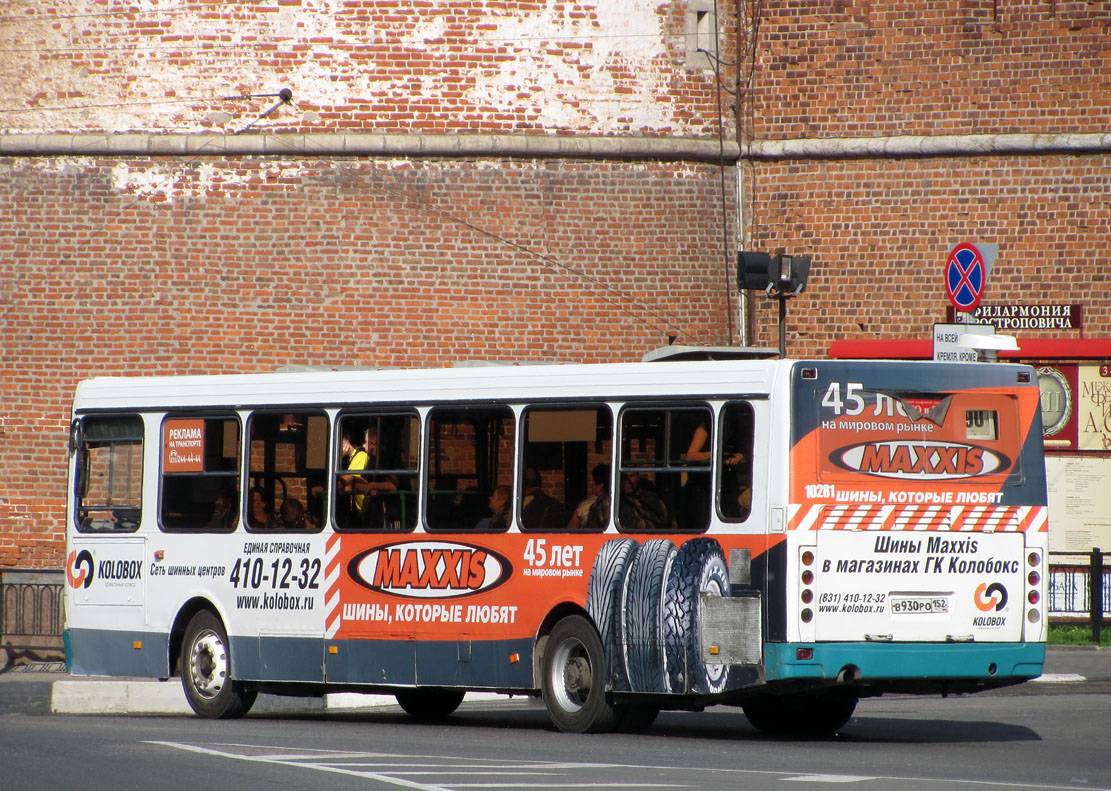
(965, 277)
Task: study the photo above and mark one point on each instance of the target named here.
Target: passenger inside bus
(224, 516)
(355, 458)
(593, 513)
(499, 505)
(538, 509)
(259, 517)
(375, 511)
(292, 516)
(641, 508)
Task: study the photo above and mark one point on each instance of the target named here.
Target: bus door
(278, 576)
(105, 563)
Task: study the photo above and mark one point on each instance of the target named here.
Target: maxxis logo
(429, 569)
(990, 597)
(931, 461)
(80, 569)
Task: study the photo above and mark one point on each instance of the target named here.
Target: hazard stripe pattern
(332, 610)
(959, 518)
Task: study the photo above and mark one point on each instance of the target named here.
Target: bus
(785, 536)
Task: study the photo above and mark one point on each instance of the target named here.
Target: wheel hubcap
(208, 664)
(574, 676)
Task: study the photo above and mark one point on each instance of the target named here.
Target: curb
(118, 696)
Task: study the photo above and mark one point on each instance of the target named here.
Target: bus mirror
(75, 436)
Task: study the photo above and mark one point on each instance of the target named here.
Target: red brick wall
(403, 263)
(211, 265)
(357, 65)
(879, 229)
(851, 68)
(880, 232)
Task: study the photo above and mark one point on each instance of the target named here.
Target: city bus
(785, 536)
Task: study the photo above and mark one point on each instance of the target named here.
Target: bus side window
(108, 486)
(470, 476)
(735, 490)
(566, 468)
(665, 478)
(376, 474)
(288, 463)
(200, 473)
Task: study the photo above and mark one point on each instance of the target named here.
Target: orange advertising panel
(494, 586)
(183, 446)
(870, 456)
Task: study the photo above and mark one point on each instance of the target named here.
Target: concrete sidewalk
(45, 688)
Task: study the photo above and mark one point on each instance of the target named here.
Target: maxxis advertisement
(644, 596)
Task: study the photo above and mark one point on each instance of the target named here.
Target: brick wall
(926, 67)
(367, 65)
(880, 232)
(133, 265)
(243, 266)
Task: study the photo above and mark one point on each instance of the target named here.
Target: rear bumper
(875, 662)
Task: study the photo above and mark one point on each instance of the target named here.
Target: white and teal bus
(786, 536)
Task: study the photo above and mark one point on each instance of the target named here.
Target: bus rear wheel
(573, 681)
(206, 671)
(430, 704)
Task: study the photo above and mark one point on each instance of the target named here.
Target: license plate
(913, 605)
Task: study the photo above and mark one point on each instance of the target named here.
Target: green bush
(1077, 634)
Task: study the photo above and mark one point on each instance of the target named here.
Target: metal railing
(1079, 591)
(32, 615)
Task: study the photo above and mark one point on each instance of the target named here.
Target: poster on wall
(1079, 502)
(1094, 407)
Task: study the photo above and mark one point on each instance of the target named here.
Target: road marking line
(1059, 678)
(828, 778)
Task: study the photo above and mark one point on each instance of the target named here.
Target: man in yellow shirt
(357, 459)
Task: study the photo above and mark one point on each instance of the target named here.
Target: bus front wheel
(206, 671)
(573, 680)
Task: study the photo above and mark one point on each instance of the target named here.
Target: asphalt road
(1044, 737)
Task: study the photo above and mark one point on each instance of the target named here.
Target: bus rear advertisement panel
(829, 530)
(918, 505)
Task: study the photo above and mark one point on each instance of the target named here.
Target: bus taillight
(1033, 579)
(807, 577)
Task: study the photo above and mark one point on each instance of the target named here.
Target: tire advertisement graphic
(641, 610)
(698, 567)
(644, 599)
(604, 599)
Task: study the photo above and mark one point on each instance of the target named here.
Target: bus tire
(800, 714)
(206, 671)
(430, 704)
(641, 615)
(573, 678)
(699, 567)
(603, 599)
